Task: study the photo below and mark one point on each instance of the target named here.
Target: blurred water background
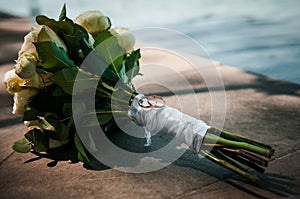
(261, 36)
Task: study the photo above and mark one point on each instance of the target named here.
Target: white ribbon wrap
(185, 128)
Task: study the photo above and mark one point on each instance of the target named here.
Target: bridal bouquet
(51, 61)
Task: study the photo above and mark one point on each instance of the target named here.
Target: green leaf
(101, 37)
(102, 119)
(81, 151)
(59, 93)
(22, 146)
(63, 13)
(44, 102)
(110, 77)
(31, 114)
(60, 131)
(72, 34)
(96, 65)
(66, 78)
(107, 47)
(79, 33)
(132, 64)
(75, 39)
(103, 112)
(52, 57)
(59, 27)
(67, 109)
(71, 126)
(103, 106)
(92, 144)
(85, 47)
(80, 108)
(39, 140)
(42, 123)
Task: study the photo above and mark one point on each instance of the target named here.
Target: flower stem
(247, 155)
(106, 112)
(237, 144)
(246, 162)
(219, 154)
(227, 165)
(239, 138)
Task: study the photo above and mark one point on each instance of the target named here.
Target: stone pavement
(256, 106)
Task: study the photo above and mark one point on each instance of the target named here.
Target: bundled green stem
(227, 165)
(239, 138)
(237, 153)
(247, 155)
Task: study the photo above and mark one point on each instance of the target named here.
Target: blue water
(261, 36)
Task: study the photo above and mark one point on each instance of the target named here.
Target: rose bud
(125, 38)
(93, 21)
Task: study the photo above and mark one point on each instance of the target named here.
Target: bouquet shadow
(273, 184)
(279, 185)
(66, 153)
(269, 183)
(69, 152)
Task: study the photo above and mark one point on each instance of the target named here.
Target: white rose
(21, 99)
(11, 81)
(36, 81)
(28, 57)
(40, 34)
(26, 66)
(93, 21)
(125, 38)
(14, 83)
(28, 46)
